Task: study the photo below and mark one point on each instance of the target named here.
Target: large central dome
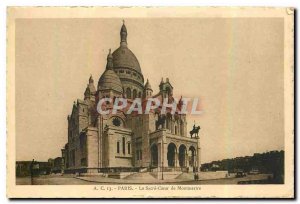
(124, 58)
(127, 67)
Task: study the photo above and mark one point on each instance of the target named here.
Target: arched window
(123, 141)
(128, 93)
(128, 148)
(175, 130)
(134, 94)
(168, 90)
(140, 94)
(118, 147)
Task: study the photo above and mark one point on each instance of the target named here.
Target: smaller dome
(110, 80)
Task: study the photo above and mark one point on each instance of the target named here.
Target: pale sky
(235, 67)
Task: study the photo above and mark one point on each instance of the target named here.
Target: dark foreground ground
(71, 180)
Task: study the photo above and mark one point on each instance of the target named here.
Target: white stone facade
(98, 142)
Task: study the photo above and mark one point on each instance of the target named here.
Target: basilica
(123, 142)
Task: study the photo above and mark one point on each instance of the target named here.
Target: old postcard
(150, 102)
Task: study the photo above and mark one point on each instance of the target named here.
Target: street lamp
(162, 171)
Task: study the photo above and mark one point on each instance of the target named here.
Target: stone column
(186, 158)
(159, 153)
(176, 159)
(164, 151)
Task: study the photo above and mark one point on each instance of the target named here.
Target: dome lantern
(109, 64)
(91, 80)
(123, 34)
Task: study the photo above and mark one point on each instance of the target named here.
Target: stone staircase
(166, 175)
(204, 175)
(140, 176)
(186, 176)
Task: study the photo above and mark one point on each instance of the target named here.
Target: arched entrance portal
(171, 154)
(182, 155)
(154, 155)
(192, 154)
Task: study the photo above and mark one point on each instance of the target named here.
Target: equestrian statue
(160, 121)
(195, 131)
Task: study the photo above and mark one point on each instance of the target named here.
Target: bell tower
(166, 88)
